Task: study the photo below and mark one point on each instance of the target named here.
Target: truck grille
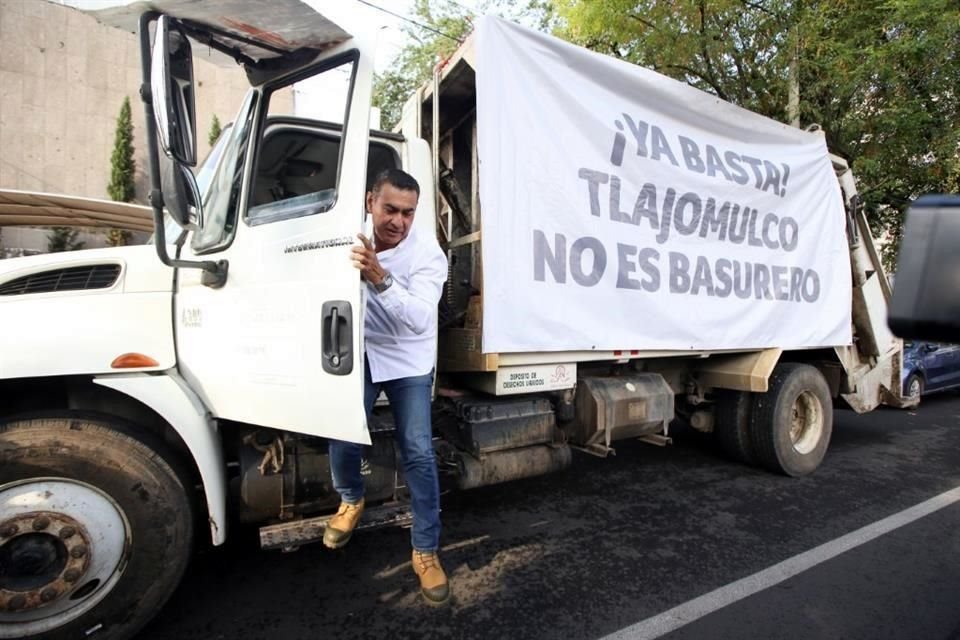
(98, 276)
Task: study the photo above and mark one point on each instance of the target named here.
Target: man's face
(393, 210)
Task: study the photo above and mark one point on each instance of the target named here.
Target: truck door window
(295, 173)
(298, 165)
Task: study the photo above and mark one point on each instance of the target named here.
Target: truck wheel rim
(806, 428)
(63, 546)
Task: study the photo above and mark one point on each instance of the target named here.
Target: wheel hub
(43, 556)
(63, 547)
(806, 428)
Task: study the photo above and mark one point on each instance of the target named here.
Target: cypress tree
(122, 164)
(122, 168)
(215, 130)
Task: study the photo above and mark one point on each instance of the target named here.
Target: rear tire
(792, 422)
(733, 426)
(105, 536)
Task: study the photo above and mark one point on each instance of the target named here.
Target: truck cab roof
(266, 43)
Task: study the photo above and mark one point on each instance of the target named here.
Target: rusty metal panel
(278, 26)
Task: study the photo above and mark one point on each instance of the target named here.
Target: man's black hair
(396, 178)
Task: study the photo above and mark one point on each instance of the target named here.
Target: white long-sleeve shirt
(400, 329)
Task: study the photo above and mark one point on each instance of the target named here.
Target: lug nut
(9, 531)
(71, 575)
(41, 523)
(48, 594)
(67, 532)
(17, 602)
(78, 551)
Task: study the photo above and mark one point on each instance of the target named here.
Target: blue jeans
(410, 403)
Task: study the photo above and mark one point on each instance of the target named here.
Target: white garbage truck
(625, 251)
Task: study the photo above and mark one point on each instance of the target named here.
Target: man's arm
(415, 306)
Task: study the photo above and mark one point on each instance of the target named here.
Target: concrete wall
(63, 77)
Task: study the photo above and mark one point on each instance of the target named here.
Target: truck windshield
(203, 177)
(221, 193)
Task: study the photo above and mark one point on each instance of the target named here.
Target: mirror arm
(214, 272)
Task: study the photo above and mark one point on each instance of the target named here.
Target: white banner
(625, 210)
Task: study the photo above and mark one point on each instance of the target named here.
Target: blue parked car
(929, 367)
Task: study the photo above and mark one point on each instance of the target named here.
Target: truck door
(280, 343)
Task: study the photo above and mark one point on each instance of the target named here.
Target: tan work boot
(341, 526)
(433, 581)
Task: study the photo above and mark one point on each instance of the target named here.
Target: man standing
(404, 271)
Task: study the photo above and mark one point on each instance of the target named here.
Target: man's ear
(370, 201)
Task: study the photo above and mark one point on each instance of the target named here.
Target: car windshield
(203, 177)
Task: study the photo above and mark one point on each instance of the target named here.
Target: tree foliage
(121, 188)
(416, 60)
(63, 239)
(118, 237)
(448, 24)
(879, 76)
(215, 130)
(122, 164)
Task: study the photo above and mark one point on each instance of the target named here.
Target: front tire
(792, 422)
(96, 529)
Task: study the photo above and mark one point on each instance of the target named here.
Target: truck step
(290, 536)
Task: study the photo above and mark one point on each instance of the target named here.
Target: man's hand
(365, 259)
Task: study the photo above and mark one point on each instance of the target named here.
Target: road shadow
(576, 554)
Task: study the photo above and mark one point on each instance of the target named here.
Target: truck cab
(123, 367)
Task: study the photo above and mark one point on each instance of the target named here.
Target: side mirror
(926, 291)
(930, 348)
(172, 91)
(171, 83)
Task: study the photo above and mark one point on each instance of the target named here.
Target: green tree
(118, 237)
(215, 130)
(122, 169)
(122, 164)
(416, 61)
(879, 76)
(441, 25)
(63, 239)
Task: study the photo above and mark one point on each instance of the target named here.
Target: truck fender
(171, 397)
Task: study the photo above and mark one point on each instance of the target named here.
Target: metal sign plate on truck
(530, 379)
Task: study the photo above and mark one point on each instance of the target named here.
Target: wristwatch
(384, 284)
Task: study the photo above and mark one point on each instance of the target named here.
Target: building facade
(64, 77)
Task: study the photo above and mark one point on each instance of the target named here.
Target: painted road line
(692, 610)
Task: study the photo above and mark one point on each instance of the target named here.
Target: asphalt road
(611, 543)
